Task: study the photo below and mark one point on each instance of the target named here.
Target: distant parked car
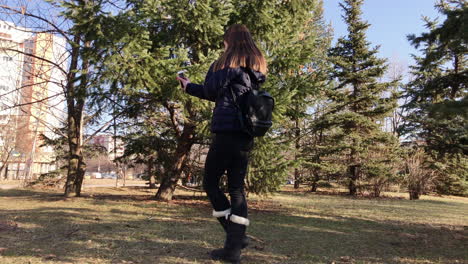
(96, 175)
(109, 176)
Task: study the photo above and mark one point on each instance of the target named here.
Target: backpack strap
(239, 109)
(234, 97)
(251, 86)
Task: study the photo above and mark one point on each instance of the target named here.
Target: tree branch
(23, 12)
(36, 57)
(175, 123)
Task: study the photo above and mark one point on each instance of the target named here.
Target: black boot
(226, 255)
(235, 235)
(223, 222)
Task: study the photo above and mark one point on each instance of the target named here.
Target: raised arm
(213, 82)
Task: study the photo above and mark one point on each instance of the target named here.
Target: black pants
(228, 152)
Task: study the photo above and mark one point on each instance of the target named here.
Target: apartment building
(107, 141)
(31, 99)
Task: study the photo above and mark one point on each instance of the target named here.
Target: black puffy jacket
(216, 89)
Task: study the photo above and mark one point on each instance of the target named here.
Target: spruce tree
(438, 98)
(358, 102)
(184, 35)
(294, 39)
(319, 159)
(290, 34)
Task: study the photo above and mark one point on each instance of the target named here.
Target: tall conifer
(294, 38)
(359, 102)
(290, 33)
(438, 98)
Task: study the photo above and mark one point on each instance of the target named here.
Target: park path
(8, 186)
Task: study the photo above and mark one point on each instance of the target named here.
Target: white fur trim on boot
(221, 213)
(238, 219)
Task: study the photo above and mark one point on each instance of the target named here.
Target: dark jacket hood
(255, 76)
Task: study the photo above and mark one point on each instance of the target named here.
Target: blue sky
(391, 21)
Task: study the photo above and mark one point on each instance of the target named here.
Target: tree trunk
(315, 182)
(414, 195)
(297, 175)
(76, 164)
(169, 182)
(5, 163)
(75, 95)
(456, 85)
(354, 171)
(296, 179)
(377, 190)
(6, 172)
(414, 191)
(353, 176)
(152, 178)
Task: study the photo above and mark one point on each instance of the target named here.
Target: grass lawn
(123, 225)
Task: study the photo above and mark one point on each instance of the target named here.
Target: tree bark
(297, 175)
(5, 177)
(75, 106)
(152, 178)
(353, 176)
(414, 195)
(377, 189)
(315, 181)
(169, 182)
(456, 85)
(76, 164)
(5, 164)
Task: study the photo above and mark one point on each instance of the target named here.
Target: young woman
(241, 67)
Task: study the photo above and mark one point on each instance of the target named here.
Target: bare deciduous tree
(418, 175)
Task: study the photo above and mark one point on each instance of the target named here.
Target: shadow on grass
(31, 194)
(98, 234)
(24, 193)
(146, 231)
(326, 237)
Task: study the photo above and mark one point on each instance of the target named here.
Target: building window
(3, 88)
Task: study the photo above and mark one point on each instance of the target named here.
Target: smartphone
(181, 74)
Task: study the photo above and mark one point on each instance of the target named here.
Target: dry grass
(124, 225)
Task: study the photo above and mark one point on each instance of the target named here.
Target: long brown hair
(241, 51)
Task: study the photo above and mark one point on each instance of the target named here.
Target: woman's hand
(184, 82)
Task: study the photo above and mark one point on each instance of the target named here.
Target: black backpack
(255, 110)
